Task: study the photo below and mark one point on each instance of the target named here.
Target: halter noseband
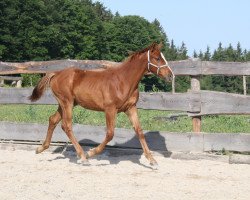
(158, 67)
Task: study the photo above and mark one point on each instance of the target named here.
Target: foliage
(148, 118)
(30, 79)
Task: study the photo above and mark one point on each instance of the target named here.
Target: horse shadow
(130, 150)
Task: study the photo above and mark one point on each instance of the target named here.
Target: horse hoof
(85, 163)
(87, 155)
(39, 150)
(154, 165)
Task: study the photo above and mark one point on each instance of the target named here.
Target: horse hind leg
(53, 121)
(67, 128)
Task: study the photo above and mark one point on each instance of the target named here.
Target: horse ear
(154, 47)
(130, 52)
(160, 45)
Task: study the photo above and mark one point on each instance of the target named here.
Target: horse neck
(133, 71)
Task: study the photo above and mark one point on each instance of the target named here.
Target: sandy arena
(27, 176)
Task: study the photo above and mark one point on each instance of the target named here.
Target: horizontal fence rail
(126, 138)
(10, 78)
(153, 101)
(55, 65)
(192, 67)
(195, 103)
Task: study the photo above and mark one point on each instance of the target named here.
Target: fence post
(244, 85)
(173, 85)
(19, 84)
(195, 87)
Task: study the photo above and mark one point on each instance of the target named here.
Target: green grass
(214, 124)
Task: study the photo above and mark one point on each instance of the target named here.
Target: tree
(102, 12)
(129, 33)
(164, 38)
(246, 55)
(182, 52)
(225, 83)
(172, 52)
(200, 56)
(207, 54)
(195, 55)
(239, 53)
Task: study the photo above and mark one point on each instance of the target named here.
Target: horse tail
(41, 87)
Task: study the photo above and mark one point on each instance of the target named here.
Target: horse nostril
(170, 77)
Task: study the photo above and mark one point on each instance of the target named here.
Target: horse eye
(159, 58)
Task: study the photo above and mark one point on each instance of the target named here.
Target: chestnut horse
(111, 90)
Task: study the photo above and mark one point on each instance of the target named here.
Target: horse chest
(130, 102)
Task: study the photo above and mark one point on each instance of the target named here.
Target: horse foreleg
(53, 121)
(110, 123)
(133, 116)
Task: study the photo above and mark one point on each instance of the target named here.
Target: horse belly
(90, 101)
(90, 104)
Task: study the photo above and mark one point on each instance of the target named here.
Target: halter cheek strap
(158, 67)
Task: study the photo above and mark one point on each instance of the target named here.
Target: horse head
(157, 63)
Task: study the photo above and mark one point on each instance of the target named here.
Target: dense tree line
(224, 83)
(81, 29)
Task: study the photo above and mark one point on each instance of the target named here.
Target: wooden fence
(195, 102)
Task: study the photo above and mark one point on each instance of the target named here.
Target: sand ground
(27, 176)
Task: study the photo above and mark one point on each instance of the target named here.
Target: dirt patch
(25, 175)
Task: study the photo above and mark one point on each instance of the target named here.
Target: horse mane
(153, 46)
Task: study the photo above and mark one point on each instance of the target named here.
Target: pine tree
(182, 52)
(117, 14)
(219, 54)
(207, 54)
(239, 53)
(195, 55)
(172, 52)
(201, 56)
